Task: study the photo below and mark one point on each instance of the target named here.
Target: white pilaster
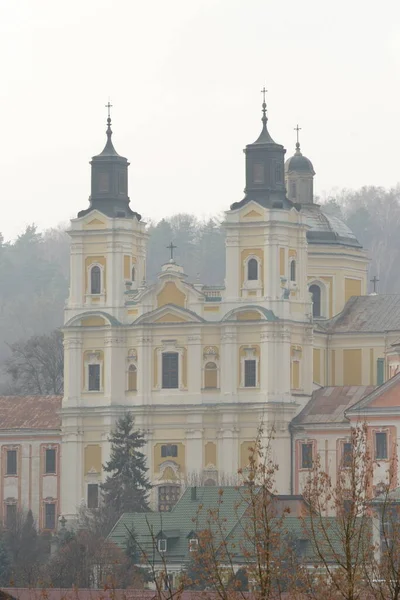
(72, 369)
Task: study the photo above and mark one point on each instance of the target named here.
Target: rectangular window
(162, 545)
(193, 545)
(347, 454)
(250, 373)
(381, 445)
(169, 450)
(11, 462)
(93, 495)
(94, 378)
(170, 370)
(49, 516)
(306, 456)
(11, 515)
(50, 462)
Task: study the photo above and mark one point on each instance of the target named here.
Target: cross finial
(374, 281)
(171, 248)
(297, 129)
(264, 91)
(264, 108)
(109, 107)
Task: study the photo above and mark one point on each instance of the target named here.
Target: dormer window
(252, 270)
(193, 544)
(162, 545)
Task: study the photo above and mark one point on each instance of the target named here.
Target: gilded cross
(374, 281)
(171, 248)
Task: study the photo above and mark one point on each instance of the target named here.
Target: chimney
(194, 493)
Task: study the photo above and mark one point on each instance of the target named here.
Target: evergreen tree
(127, 486)
(5, 564)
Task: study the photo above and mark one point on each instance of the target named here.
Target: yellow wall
(210, 451)
(352, 287)
(170, 294)
(249, 315)
(93, 322)
(352, 371)
(245, 453)
(317, 365)
(179, 460)
(93, 458)
(251, 252)
(282, 262)
(127, 267)
(295, 366)
(90, 260)
(170, 318)
(333, 367)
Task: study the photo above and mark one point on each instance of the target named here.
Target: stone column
(72, 484)
(266, 357)
(114, 369)
(194, 451)
(73, 365)
(233, 267)
(194, 364)
(229, 363)
(228, 451)
(145, 368)
(283, 363)
(77, 277)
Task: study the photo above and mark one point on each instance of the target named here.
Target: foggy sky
(184, 77)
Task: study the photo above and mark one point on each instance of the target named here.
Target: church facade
(202, 366)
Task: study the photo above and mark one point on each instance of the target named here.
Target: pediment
(95, 220)
(169, 314)
(253, 214)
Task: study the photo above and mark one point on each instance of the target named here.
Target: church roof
(329, 404)
(386, 396)
(30, 412)
(326, 229)
(367, 314)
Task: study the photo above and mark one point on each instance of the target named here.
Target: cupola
(299, 176)
(265, 181)
(109, 184)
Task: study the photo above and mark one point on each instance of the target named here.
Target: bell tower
(108, 239)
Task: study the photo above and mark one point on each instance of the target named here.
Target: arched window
(315, 291)
(293, 270)
(252, 270)
(210, 375)
(133, 274)
(95, 280)
(132, 378)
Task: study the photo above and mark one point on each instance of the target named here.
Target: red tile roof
(30, 412)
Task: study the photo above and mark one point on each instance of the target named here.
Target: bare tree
(36, 366)
(339, 522)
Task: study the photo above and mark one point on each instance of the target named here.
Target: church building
(202, 366)
(291, 341)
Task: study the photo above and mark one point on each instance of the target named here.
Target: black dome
(298, 162)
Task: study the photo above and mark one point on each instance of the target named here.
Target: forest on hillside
(34, 269)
